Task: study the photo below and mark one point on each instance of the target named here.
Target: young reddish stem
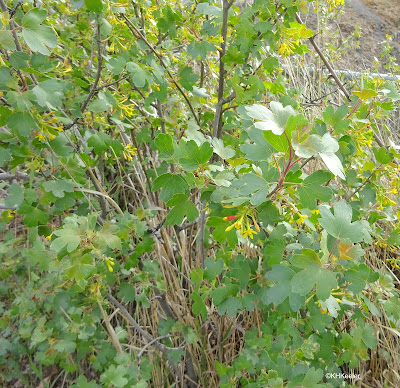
(277, 166)
(333, 248)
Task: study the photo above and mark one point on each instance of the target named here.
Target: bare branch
(148, 337)
(217, 123)
(139, 35)
(99, 68)
(4, 176)
(327, 64)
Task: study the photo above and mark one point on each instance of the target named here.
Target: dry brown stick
(111, 331)
(327, 64)
(148, 337)
(139, 35)
(332, 72)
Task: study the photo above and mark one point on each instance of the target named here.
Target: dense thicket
(187, 201)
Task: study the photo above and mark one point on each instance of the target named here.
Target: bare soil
(376, 18)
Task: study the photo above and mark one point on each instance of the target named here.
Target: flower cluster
(333, 4)
(128, 152)
(126, 109)
(362, 137)
(242, 223)
(287, 48)
(110, 262)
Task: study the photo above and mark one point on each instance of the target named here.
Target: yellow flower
(301, 218)
(48, 238)
(128, 152)
(40, 137)
(323, 311)
(249, 233)
(110, 263)
(238, 224)
(96, 289)
(333, 4)
(229, 228)
(287, 47)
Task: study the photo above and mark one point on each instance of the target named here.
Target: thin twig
(99, 68)
(217, 122)
(151, 343)
(334, 76)
(148, 337)
(4, 176)
(359, 188)
(177, 270)
(139, 35)
(327, 64)
(202, 225)
(306, 161)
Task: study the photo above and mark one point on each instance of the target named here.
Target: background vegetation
(192, 197)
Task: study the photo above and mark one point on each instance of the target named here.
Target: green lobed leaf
(273, 120)
(281, 276)
(58, 187)
(313, 274)
(115, 376)
(339, 224)
(382, 155)
(36, 36)
(255, 186)
(213, 268)
(50, 93)
(138, 74)
(67, 237)
(224, 292)
(170, 184)
(95, 6)
(187, 77)
(7, 40)
(198, 307)
(107, 237)
(164, 144)
(312, 189)
(182, 206)
(260, 149)
(21, 123)
(336, 119)
(15, 196)
(5, 156)
(196, 156)
(221, 150)
(127, 292)
(32, 215)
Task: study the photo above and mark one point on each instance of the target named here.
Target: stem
(98, 74)
(217, 123)
(333, 248)
(327, 64)
(364, 183)
(139, 35)
(290, 146)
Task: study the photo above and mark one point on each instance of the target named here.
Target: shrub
(175, 213)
